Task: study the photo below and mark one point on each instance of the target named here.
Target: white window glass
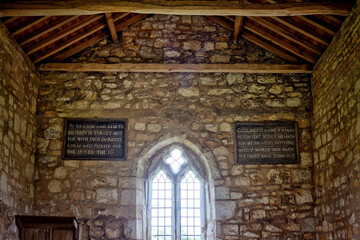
(176, 201)
(190, 223)
(161, 208)
(175, 160)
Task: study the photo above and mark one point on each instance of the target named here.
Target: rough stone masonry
(316, 199)
(19, 82)
(336, 134)
(251, 201)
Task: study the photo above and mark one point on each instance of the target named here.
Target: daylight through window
(176, 200)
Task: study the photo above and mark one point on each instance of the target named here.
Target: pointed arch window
(176, 199)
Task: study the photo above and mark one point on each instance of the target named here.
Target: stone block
(152, 127)
(258, 214)
(211, 128)
(293, 102)
(107, 196)
(276, 89)
(222, 193)
(303, 196)
(225, 209)
(209, 46)
(128, 197)
(231, 229)
(192, 45)
(140, 126)
(54, 186)
(279, 176)
(225, 127)
(189, 92)
(220, 58)
(232, 78)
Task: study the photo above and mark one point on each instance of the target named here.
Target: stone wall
(19, 82)
(176, 39)
(336, 134)
(195, 111)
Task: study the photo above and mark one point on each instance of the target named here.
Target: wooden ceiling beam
(120, 16)
(309, 20)
(303, 30)
(91, 41)
(330, 17)
(231, 18)
(111, 26)
(239, 21)
(286, 34)
(316, 24)
(45, 29)
(281, 43)
(66, 31)
(10, 20)
(222, 22)
(180, 7)
(337, 21)
(78, 48)
(268, 47)
(69, 42)
(120, 26)
(172, 68)
(27, 26)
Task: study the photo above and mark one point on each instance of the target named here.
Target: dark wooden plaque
(266, 142)
(94, 139)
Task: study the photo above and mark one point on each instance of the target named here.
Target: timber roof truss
(297, 39)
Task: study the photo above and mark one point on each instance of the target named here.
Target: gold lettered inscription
(88, 139)
(266, 142)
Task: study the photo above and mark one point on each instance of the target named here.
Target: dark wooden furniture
(47, 228)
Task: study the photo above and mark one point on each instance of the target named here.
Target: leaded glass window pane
(176, 200)
(190, 210)
(161, 208)
(175, 161)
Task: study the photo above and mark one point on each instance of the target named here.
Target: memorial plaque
(94, 139)
(266, 142)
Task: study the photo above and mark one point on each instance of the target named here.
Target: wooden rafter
(68, 30)
(97, 38)
(309, 20)
(286, 34)
(88, 42)
(69, 42)
(10, 20)
(268, 47)
(222, 22)
(231, 18)
(303, 30)
(239, 21)
(169, 68)
(316, 24)
(281, 43)
(120, 16)
(180, 7)
(27, 26)
(80, 47)
(330, 17)
(111, 26)
(122, 25)
(45, 29)
(292, 38)
(333, 19)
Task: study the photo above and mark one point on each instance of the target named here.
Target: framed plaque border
(267, 123)
(125, 121)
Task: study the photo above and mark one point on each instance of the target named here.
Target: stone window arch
(177, 196)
